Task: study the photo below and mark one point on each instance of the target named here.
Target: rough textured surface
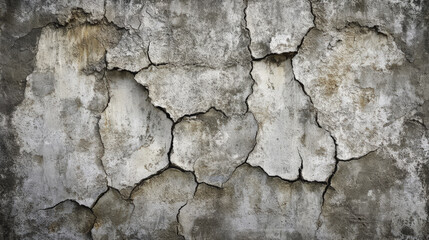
(361, 84)
(113, 213)
(136, 135)
(185, 90)
(67, 220)
(383, 194)
(277, 26)
(151, 213)
(289, 142)
(59, 156)
(203, 45)
(185, 32)
(158, 201)
(213, 145)
(406, 21)
(252, 205)
(206, 119)
(128, 55)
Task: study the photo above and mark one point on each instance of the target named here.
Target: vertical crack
(328, 184)
(106, 84)
(312, 13)
(246, 5)
(301, 166)
(250, 52)
(92, 211)
(104, 5)
(316, 119)
(148, 55)
(177, 218)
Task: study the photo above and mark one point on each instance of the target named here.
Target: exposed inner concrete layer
(190, 119)
(361, 84)
(289, 142)
(213, 145)
(136, 136)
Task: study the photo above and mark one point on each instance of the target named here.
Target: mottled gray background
(207, 119)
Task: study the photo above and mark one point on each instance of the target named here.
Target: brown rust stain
(53, 227)
(39, 159)
(83, 145)
(302, 139)
(330, 84)
(321, 151)
(85, 43)
(366, 96)
(98, 224)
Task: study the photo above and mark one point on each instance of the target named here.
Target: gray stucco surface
(206, 119)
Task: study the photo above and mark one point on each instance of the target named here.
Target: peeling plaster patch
(202, 45)
(124, 14)
(252, 205)
(130, 54)
(206, 33)
(135, 134)
(288, 129)
(277, 26)
(213, 145)
(395, 179)
(25, 15)
(56, 124)
(185, 90)
(405, 20)
(360, 85)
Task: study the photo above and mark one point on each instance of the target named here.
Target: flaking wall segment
(206, 119)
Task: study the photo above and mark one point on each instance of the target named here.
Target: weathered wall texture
(207, 119)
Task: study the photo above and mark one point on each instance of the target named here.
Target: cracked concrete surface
(394, 180)
(361, 85)
(136, 135)
(288, 136)
(112, 213)
(252, 205)
(150, 213)
(67, 220)
(278, 37)
(212, 145)
(190, 89)
(128, 55)
(56, 124)
(186, 119)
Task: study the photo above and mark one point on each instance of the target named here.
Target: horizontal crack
(298, 179)
(362, 156)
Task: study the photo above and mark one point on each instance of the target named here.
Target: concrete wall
(206, 119)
